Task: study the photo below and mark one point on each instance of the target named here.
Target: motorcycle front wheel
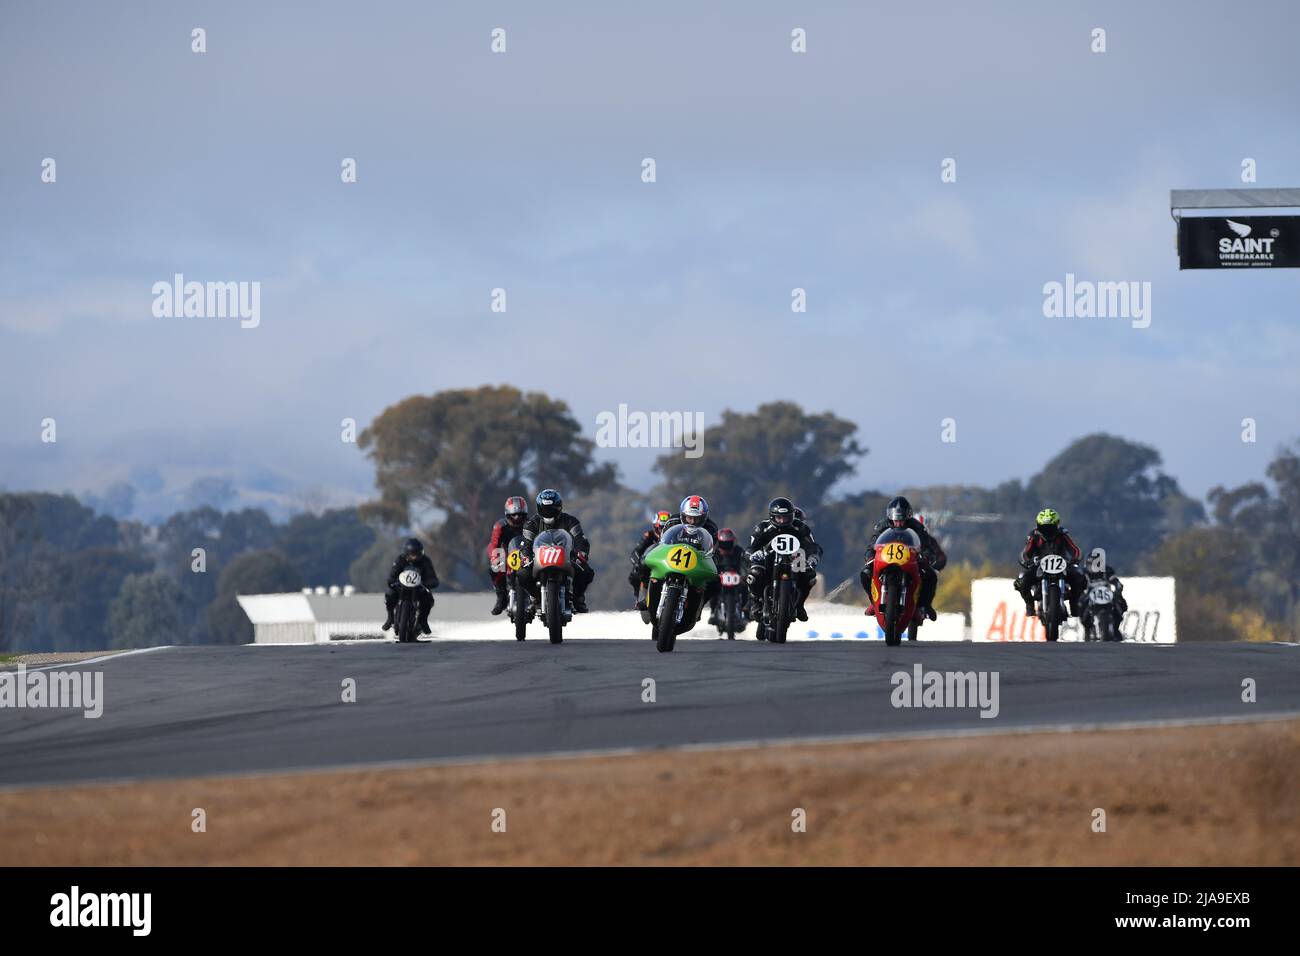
(666, 626)
(521, 610)
(554, 612)
(1052, 610)
(893, 636)
(784, 611)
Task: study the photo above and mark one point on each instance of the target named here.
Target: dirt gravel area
(11, 662)
(1222, 795)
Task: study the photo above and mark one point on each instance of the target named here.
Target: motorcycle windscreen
(904, 536)
(697, 538)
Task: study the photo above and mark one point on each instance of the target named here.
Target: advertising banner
(998, 613)
(1239, 242)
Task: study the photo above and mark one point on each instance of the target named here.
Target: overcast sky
(522, 170)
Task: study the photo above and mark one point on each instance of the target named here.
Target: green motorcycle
(681, 573)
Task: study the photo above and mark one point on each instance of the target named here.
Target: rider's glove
(812, 562)
(756, 557)
(580, 557)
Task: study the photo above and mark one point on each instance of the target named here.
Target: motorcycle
(1100, 616)
(553, 575)
(681, 570)
(783, 558)
(519, 606)
(406, 613)
(1052, 592)
(896, 583)
(731, 604)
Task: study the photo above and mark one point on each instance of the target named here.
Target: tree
(976, 524)
(222, 537)
(1267, 520)
(22, 585)
(321, 547)
(461, 453)
(256, 572)
(613, 519)
(1111, 493)
(369, 572)
(86, 582)
(843, 528)
(60, 567)
(749, 458)
(1210, 568)
(149, 610)
(68, 525)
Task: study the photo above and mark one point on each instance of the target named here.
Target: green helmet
(1048, 516)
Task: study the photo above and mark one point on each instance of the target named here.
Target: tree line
(71, 578)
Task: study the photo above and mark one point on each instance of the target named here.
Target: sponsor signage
(998, 613)
(1239, 242)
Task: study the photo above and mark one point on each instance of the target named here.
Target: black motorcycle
(731, 604)
(552, 570)
(1052, 592)
(520, 605)
(784, 559)
(406, 613)
(1100, 615)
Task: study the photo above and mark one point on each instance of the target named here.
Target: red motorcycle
(896, 583)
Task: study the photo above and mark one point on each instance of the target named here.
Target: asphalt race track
(190, 711)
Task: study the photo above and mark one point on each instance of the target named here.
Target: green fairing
(702, 571)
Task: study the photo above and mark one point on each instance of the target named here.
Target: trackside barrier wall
(998, 613)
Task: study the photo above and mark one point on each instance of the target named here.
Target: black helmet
(413, 548)
(549, 505)
(780, 511)
(898, 511)
(798, 513)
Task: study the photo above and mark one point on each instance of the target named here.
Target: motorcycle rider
(694, 513)
(505, 528)
(899, 514)
(412, 556)
(649, 538)
(727, 556)
(1048, 537)
(1098, 571)
(780, 520)
(551, 516)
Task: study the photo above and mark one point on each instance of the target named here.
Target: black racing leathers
(582, 571)
(756, 557)
(1038, 544)
(933, 559)
(728, 559)
(637, 576)
(1107, 577)
(428, 576)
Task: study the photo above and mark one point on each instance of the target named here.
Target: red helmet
(726, 539)
(516, 511)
